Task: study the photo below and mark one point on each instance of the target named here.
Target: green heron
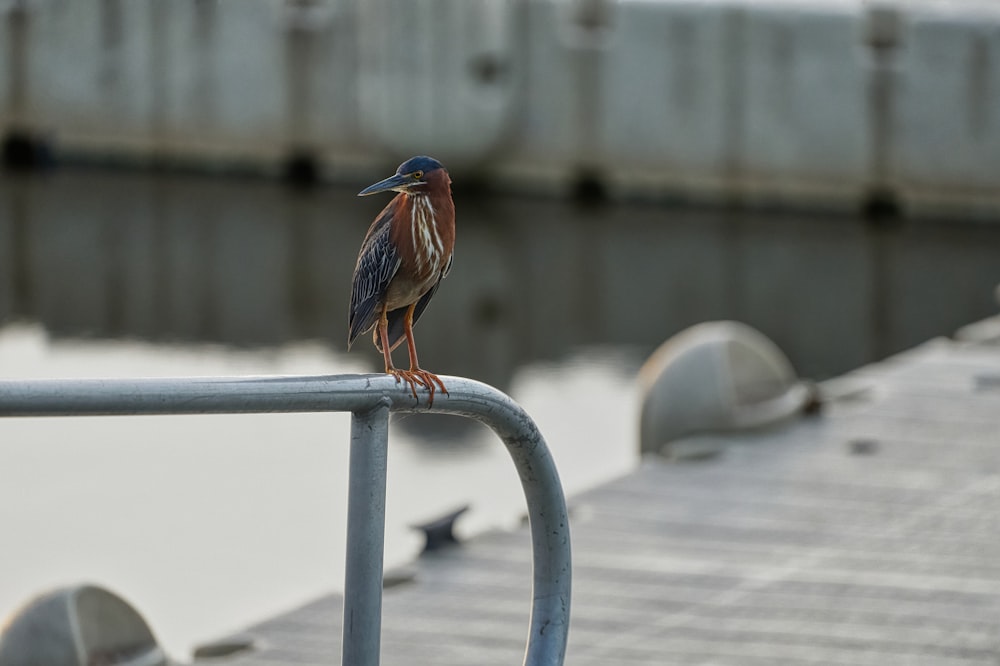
(405, 255)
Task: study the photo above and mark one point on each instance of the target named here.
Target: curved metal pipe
(551, 557)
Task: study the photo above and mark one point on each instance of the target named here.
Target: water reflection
(553, 303)
(177, 258)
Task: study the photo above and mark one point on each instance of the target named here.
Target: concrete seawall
(839, 103)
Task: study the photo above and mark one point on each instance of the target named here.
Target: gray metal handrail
(370, 399)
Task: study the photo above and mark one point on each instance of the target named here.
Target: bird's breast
(425, 243)
(426, 239)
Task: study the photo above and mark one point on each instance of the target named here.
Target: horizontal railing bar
(199, 395)
(551, 575)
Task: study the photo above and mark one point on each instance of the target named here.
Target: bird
(405, 254)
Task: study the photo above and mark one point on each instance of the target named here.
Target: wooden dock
(868, 534)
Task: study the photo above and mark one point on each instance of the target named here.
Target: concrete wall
(946, 101)
(821, 102)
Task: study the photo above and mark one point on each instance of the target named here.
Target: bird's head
(414, 175)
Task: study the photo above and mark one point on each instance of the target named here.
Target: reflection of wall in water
(251, 263)
(163, 259)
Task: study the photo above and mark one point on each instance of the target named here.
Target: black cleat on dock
(440, 532)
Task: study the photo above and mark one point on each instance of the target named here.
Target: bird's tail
(357, 325)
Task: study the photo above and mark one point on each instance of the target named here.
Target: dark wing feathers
(377, 264)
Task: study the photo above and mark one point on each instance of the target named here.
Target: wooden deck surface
(866, 535)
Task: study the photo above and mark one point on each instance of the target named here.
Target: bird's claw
(428, 380)
(423, 378)
(407, 377)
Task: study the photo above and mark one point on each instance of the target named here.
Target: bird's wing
(377, 264)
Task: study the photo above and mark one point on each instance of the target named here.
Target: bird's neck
(432, 207)
(427, 232)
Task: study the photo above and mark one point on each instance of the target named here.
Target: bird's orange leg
(390, 369)
(425, 378)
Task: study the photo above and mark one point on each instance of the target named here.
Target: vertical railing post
(370, 399)
(365, 536)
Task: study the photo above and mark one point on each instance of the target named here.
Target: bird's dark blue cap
(419, 163)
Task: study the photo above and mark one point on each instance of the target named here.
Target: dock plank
(792, 547)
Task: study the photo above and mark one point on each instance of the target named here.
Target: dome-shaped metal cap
(79, 626)
(712, 377)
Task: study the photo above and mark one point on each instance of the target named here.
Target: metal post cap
(79, 626)
(712, 377)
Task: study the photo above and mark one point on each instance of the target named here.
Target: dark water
(252, 263)
(212, 523)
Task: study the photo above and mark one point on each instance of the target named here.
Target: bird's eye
(417, 175)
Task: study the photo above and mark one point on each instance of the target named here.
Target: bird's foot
(429, 380)
(405, 375)
(416, 377)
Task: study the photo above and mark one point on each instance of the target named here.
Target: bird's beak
(397, 182)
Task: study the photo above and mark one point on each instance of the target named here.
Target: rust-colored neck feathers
(425, 232)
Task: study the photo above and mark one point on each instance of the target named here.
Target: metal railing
(370, 399)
